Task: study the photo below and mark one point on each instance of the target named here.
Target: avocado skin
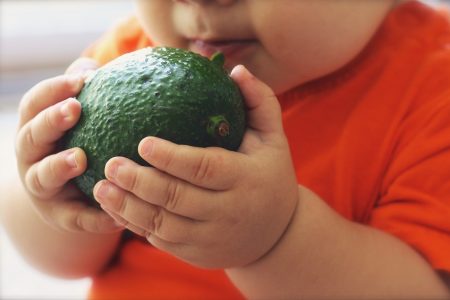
(164, 92)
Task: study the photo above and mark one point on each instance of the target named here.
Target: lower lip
(231, 49)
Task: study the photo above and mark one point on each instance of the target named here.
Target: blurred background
(39, 39)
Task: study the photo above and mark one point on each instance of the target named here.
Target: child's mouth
(229, 48)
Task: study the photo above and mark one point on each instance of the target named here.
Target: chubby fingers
(46, 177)
(264, 111)
(211, 168)
(75, 216)
(37, 137)
(142, 217)
(155, 187)
(47, 93)
(47, 181)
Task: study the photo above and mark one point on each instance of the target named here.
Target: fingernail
(102, 190)
(65, 110)
(71, 160)
(111, 170)
(147, 147)
(239, 69)
(235, 70)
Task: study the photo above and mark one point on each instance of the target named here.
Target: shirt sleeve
(415, 204)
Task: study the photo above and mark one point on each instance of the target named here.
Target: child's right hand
(46, 112)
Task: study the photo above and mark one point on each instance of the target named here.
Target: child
(340, 189)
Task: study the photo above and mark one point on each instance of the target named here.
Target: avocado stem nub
(218, 59)
(218, 126)
(223, 129)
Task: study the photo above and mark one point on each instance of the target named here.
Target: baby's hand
(45, 113)
(209, 206)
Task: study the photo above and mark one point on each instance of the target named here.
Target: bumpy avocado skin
(165, 92)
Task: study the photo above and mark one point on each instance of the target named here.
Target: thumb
(264, 112)
(82, 65)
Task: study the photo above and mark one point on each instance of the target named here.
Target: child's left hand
(209, 206)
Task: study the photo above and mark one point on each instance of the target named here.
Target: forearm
(55, 252)
(322, 255)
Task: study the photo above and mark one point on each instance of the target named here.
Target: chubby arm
(50, 250)
(41, 211)
(324, 256)
(244, 212)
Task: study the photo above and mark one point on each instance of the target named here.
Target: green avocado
(165, 92)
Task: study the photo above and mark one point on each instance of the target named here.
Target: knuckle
(56, 168)
(123, 201)
(133, 180)
(86, 220)
(51, 85)
(69, 216)
(168, 159)
(49, 120)
(156, 222)
(205, 169)
(52, 168)
(34, 183)
(77, 222)
(29, 139)
(173, 192)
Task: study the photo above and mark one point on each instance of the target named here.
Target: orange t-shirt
(372, 140)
